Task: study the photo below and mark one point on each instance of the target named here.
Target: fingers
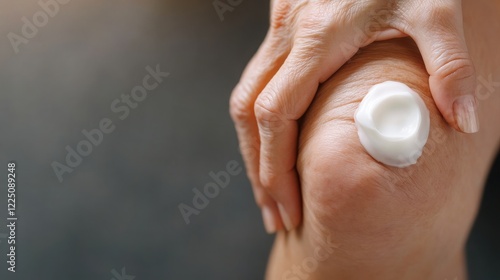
(273, 93)
(277, 109)
(441, 41)
(257, 74)
(282, 102)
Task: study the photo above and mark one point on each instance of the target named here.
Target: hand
(372, 221)
(310, 40)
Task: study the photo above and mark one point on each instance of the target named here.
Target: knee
(344, 189)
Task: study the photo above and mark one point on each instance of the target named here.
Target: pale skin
(307, 42)
(365, 220)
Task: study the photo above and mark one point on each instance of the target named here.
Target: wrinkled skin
(307, 42)
(378, 222)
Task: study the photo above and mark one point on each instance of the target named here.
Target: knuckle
(308, 52)
(265, 106)
(249, 148)
(280, 14)
(458, 67)
(240, 106)
(267, 112)
(269, 180)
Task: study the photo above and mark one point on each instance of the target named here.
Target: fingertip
(290, 207)
(287, 221)
(269, 220)
(452, 74)
(453, 85)
(465, 113)
(455, 98)
(285, 192)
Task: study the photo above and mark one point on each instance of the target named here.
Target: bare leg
(364, 220)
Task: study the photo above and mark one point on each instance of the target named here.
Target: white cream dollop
(393, 124)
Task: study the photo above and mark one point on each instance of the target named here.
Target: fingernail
(269, 221)
(466, 114)
(285, 217)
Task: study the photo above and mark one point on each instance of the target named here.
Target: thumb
(452, 76)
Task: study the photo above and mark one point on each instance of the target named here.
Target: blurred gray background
(119, 207)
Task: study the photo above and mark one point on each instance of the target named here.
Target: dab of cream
(393, 124)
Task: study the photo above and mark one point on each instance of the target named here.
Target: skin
(365, 220)
(310, 40)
